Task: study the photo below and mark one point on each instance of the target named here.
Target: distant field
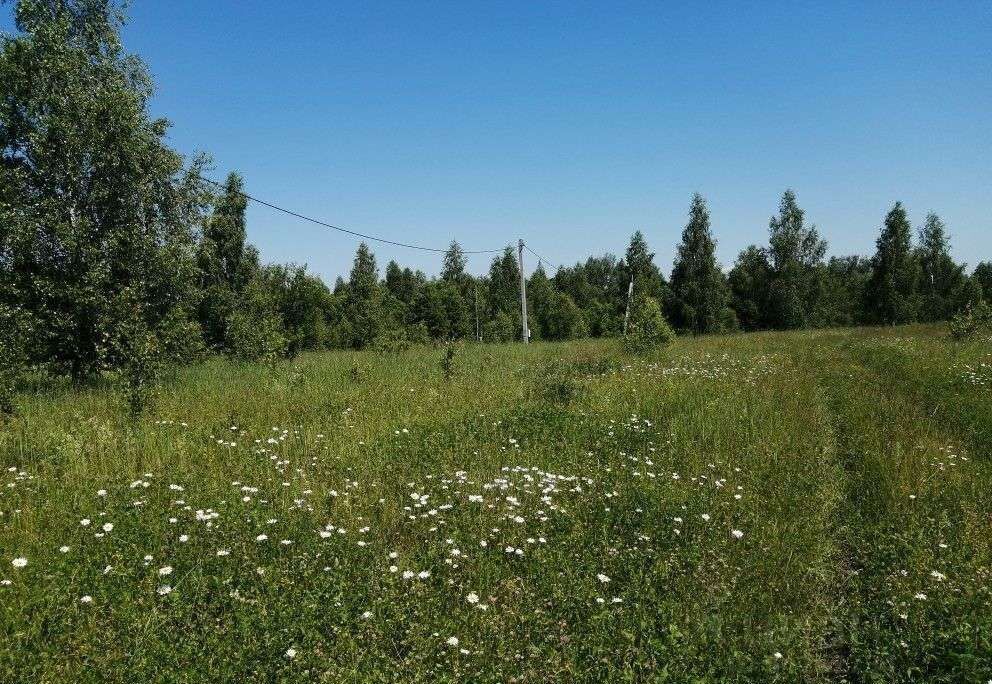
(794, 507)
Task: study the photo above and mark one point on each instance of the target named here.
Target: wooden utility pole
(478, 331)
(630, 295)
(524, 332)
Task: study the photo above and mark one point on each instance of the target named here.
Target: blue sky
(572, 124)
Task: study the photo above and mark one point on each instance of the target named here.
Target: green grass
(854, 462)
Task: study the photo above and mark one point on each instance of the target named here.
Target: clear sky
(572, 124)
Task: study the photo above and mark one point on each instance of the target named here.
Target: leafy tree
(563, 320)
(403, 283)
(699, 290)
(94, 206)
(225, 260)
(795, 252)
(891, 291)
(453, 270)
(638, 263)
(844, 283)
(441, 308)
(749, 282)
(364, 305)
(648, 327)
(941, 280)
(982, 276)
(14, 332)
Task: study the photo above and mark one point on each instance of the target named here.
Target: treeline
(115, 254)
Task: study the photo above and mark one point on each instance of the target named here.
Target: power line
(345, 230)
(542, 259)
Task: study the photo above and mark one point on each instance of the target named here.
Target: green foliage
(255, 332)
(795, 255)
(699, 292)
(14, 332)
(92, 200)
(982, 276)
(648, 327)
(226, 263)
(448, 361)
(973, 320)
(364, 303)
(134, 350)
(892, 290)
(749, 282)
(941, 280)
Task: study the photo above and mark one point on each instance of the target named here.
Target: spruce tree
(698, 287)
(891, 292)
(364, 305)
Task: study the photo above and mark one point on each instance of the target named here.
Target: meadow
(809, 506)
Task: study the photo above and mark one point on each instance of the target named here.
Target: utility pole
(524, 332)
(630, 295)
(478, 332)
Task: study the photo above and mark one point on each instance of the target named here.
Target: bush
(648, 328)
(558, 384)
(256, 336)
(448, 361)
(971, 321)
(133, 351)
(13, 355)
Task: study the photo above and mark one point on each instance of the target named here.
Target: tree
(648, 327)
(795, 252)
(95, 208)
(504, 287)
(940, 278)
(749, 282)
(699, 291)
(453, 270)
(891, 292)
(638, 263)
(844, 283)
(364, 305)
(982, 276)
(226, 262)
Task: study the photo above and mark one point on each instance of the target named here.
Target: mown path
(911, 532)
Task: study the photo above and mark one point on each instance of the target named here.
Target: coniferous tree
(364, 305)
(891, 291)
(698, 287)
(639, 264)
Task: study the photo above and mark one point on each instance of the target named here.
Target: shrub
(558, 384)
(971, 321)
(648, 328)
(448, 361)
(256, 336)
(133, 350)
(13, 355)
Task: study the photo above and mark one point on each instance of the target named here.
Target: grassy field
(794, 507)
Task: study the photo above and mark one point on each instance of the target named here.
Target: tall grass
(767, 507)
